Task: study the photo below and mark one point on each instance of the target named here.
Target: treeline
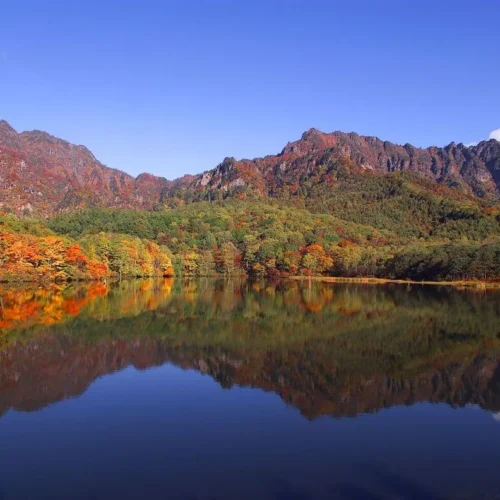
(232, 237)
(235, 237)
(458, 261)
(29, 251)
(259, 239)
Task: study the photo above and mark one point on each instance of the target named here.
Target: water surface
(231, 389)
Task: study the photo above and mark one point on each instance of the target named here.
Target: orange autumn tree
(315, 260)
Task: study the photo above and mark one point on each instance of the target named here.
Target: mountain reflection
(337, 350)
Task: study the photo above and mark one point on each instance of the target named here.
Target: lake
(215, 389)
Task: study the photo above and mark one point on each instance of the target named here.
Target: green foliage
(24, 225)
(412, 234)
(336, 221)
(229, 237)
(405, 204)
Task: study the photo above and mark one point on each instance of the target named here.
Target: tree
(315, 259)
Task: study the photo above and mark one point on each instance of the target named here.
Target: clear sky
(172, 87)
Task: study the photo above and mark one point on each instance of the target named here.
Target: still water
(230, 389)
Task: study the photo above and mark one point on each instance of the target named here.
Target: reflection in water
(337, 350)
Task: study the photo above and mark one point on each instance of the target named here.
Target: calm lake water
(229, 389)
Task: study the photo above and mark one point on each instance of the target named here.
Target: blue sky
(172, 87)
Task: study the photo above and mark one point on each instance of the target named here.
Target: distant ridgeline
(328, 204)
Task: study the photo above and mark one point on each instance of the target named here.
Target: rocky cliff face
(44, 175)
(473, 170)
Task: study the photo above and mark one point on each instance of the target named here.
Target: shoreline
(483, 285)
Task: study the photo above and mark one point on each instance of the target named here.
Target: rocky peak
(311, 140)
(311, 133)
(8, 136)
(5, 127)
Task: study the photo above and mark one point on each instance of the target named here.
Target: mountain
(471, 170)
(44, 175)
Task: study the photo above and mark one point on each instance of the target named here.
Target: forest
(272, 238)
(398, 226)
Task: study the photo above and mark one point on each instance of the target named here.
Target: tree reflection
(327, 350)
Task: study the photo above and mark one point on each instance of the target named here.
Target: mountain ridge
(44, 175)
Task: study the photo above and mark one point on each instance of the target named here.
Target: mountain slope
(42, 174)
(471, 170)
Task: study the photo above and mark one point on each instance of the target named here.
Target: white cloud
(495, 135)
